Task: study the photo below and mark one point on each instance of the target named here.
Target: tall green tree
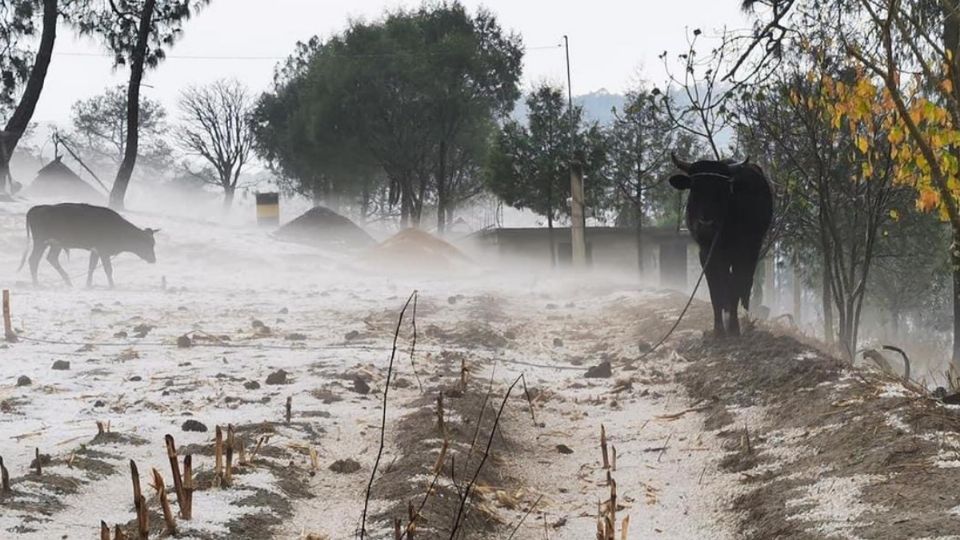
(136, 32)
(529, 166)
(409, 98)
(641, 139)
(18, 24)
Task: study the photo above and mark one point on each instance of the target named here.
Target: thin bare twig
(483, 460)
(383, 421)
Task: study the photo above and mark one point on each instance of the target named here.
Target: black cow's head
(144, 247)
(711, 186)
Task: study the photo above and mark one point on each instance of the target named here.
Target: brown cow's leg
(107, 269)
(52, 258)
(94, 257)
(35, 256)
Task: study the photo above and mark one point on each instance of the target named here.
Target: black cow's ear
(680, 181)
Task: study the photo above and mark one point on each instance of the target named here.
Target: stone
(61, 365)
(345, 466)
(194, 425)
(601, 371)
(360, 386)
(277, 377)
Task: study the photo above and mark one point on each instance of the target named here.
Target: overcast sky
(613, 43)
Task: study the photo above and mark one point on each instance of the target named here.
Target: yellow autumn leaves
(865, 107)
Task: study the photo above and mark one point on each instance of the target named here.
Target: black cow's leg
(733, 300)
(107, 269)
(52, 258)
(94, 258)
(35, 256)
(716, 285)
(744, 266)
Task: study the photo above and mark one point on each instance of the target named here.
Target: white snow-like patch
(892, 390)
(836, 503)
(893, 420)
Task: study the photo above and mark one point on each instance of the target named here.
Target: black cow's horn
(682, 165)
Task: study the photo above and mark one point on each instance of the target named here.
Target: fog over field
(457, 270)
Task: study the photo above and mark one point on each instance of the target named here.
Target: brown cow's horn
(682, 165)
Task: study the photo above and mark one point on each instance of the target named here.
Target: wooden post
(577, 222)
(218, 452)
(413, 520)
(139, 503)
(39, 463)
(165, 503)
(228, 473)
(613, 508)
(175, 468)
(187, 508)
(603, 447)
(4, 479)
(135, 478)
(289, 407)
(8, 332)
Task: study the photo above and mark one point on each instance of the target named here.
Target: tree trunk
(553, 246)
(797, 296)
(119, 191)
(406, 205)
(20, 119)
(955, 267)
(228, 193)
(442, 188)
(827, 301)
(317, 193)
(639, 229)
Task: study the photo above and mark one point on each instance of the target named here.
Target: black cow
(729, 210)
(82, 226)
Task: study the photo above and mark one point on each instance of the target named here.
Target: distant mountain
(597, 106)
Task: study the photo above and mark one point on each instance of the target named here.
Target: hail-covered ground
(231, 325)
(269, 321)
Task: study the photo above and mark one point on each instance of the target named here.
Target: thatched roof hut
(56, 181)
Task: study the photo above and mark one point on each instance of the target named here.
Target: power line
(395, 54)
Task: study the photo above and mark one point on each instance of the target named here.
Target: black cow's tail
(26, 250)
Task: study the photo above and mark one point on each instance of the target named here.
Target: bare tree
(216, 127)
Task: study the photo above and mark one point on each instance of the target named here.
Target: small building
(665, 250)
(57, 182)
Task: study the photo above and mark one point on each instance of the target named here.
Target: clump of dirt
(473, 333)
(416, 250)
(837, 425)
(324, 227)
(345, 466)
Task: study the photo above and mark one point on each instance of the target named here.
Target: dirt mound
(834, 452)
(324, 227)
(413, 249)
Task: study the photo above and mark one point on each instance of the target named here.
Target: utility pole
(577, 218)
